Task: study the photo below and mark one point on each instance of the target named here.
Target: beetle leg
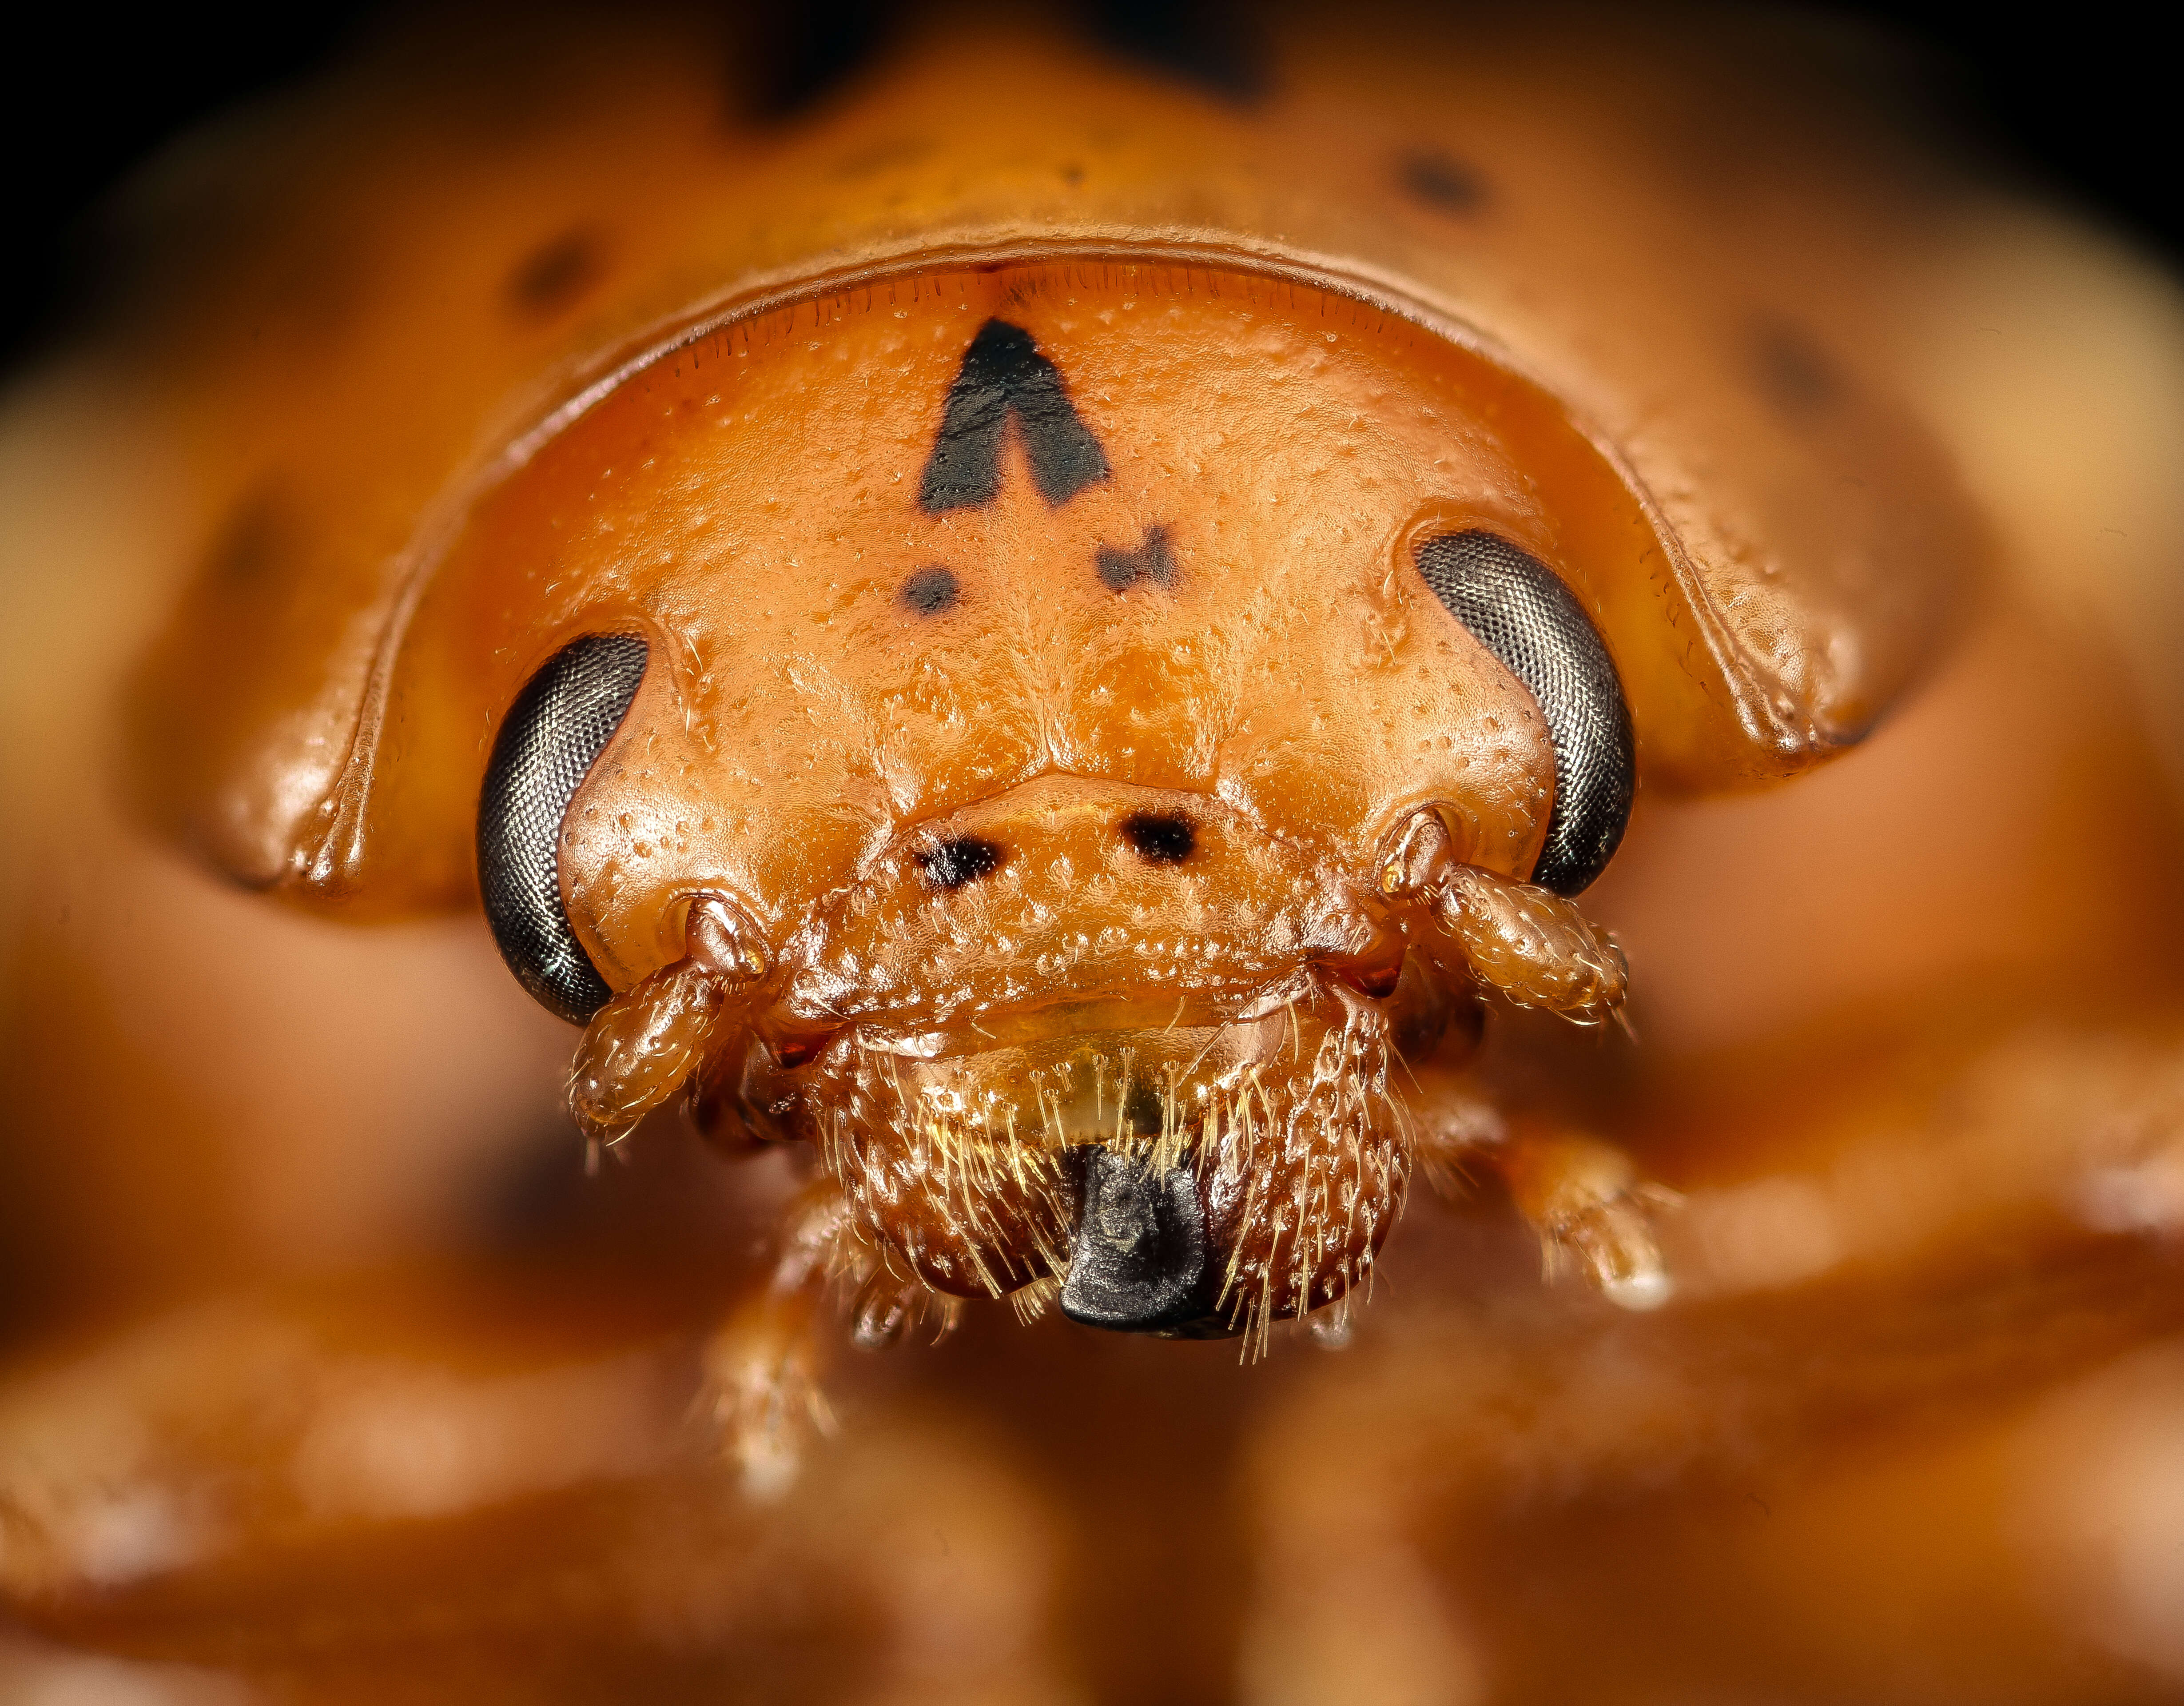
(1535, 946)
(1585, 1199)
(1452, 1127)
(762, 1368)
(889, 1304)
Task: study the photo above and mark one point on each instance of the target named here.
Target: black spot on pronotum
(932, 590)
(1164, 837)
(1120, 571)
(551, 737)
(555, 274)
(1520, 610)
(1004, 374)
(1794, 372)
(1213, 45)
(1440, 181)
(963, 860)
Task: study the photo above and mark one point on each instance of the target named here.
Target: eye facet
(1518, 609)
(553, 734)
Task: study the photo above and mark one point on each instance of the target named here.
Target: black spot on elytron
(1442, 181)
(1141, 1109)
(1003, 374)
(555, 274)
(783, 60)
(965, 860)
(252, 541)
(1165, 838)
(932, 590)
(540, 1192)
(1214, 46)
(1120, 571)
(1795, 372)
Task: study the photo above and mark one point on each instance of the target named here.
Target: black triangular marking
(1003, 373)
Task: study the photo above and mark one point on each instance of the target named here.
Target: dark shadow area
(97, 94)
(2078, 110)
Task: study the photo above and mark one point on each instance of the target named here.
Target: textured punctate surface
(553, 733)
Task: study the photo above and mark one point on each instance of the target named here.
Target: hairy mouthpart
(966, 1171)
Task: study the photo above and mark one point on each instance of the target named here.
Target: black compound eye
(553, 734)
(1518, 609)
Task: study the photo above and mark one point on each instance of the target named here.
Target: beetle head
(1002, 803)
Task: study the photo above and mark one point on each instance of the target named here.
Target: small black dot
(554, 274)
(1166, 838)
(1120, 570)
(1795, 371)
(250, 546)
(932, 590)
(963, 860)
(1444, 182)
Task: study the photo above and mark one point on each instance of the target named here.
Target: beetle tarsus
(1592, 1212)
(890, 1306)
(762, 1369)
(766, 1398)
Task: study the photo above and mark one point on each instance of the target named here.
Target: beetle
(1071, 702)
(1073, 639)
